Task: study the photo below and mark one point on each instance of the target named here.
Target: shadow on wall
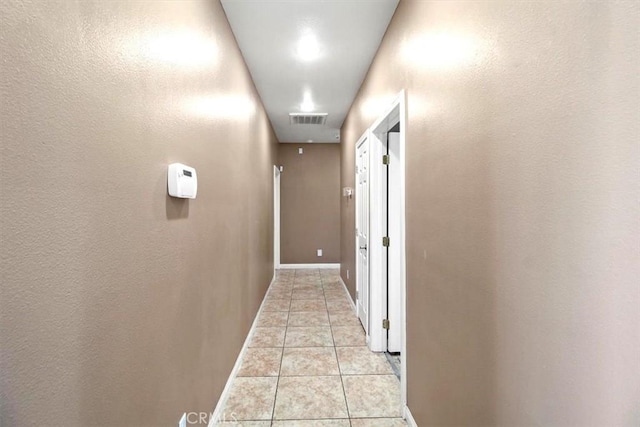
(176, 208)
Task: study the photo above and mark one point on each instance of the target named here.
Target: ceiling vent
(308, 119)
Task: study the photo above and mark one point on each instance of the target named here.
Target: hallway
(510, 194)
(307, 363)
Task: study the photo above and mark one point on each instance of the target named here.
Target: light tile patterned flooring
(308, 365)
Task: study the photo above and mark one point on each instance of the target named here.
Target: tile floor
(308, 365)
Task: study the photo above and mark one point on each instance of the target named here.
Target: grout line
(335, 352)
(275, 396)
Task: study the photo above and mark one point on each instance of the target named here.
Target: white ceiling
(347, 35)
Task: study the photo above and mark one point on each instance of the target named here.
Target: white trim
(276, 217)
(378, 212)
(353, 304)
(377, 296)
(307, 266)
(409, 417)
(402, 100)
(222, 401)
(377, 264)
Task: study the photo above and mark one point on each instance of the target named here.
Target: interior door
(362, 232)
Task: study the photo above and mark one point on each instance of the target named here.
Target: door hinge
(385, 241)
(385, 159)
(357, 294)
(385, 323)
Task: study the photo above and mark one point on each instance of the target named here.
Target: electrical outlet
(183, 420)
(300, 150)
(347, 274)
(319, 252)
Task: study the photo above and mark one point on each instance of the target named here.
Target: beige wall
(309, 203)
(120, 306)
(522, 208)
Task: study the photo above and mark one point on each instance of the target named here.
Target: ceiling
(308, 55)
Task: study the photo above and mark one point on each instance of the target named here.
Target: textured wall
(120, 306)
(309, 203)
(522, 208)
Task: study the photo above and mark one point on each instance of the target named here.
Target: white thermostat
(183, 181)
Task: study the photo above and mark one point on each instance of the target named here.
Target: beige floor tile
(307, 272)
(312, 423)
(310, 398)
(308, 287)
(378, 422)
(316, 336)
(333, 288)
(307, 294)
(240, 423)
(344, 318)
(308, 305)
(362, 361)
(311, 280)
(251, 399)
(337, 294)
(279, 294)
(335, 305)
(273, 318)
(308, 318)
(372, 396)
(348, 336)
(276, 305)
(285, 272)
(268, 337)
(308, 279)
(261, 362)
(309, 361)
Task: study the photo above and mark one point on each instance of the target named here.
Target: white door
(362, 231)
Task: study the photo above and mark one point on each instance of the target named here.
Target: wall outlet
(300, 150)
(183, 420)
(319, 252)
(347, 274)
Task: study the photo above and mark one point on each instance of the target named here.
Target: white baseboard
(353, 304)
(409, 418)
(215, 416)
(307, 266)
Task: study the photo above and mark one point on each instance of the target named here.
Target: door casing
(376, 134)
(276, 217)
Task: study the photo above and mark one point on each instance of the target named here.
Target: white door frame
(276, 217)
(377, 275)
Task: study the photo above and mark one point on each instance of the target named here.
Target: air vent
(308, 119)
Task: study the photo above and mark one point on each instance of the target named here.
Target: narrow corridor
(307, 363)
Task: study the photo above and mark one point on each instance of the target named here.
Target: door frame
(363, 139)
(377, 273)
(276, 217)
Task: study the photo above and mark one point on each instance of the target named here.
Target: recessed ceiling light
(308, 48)
(307, 105)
